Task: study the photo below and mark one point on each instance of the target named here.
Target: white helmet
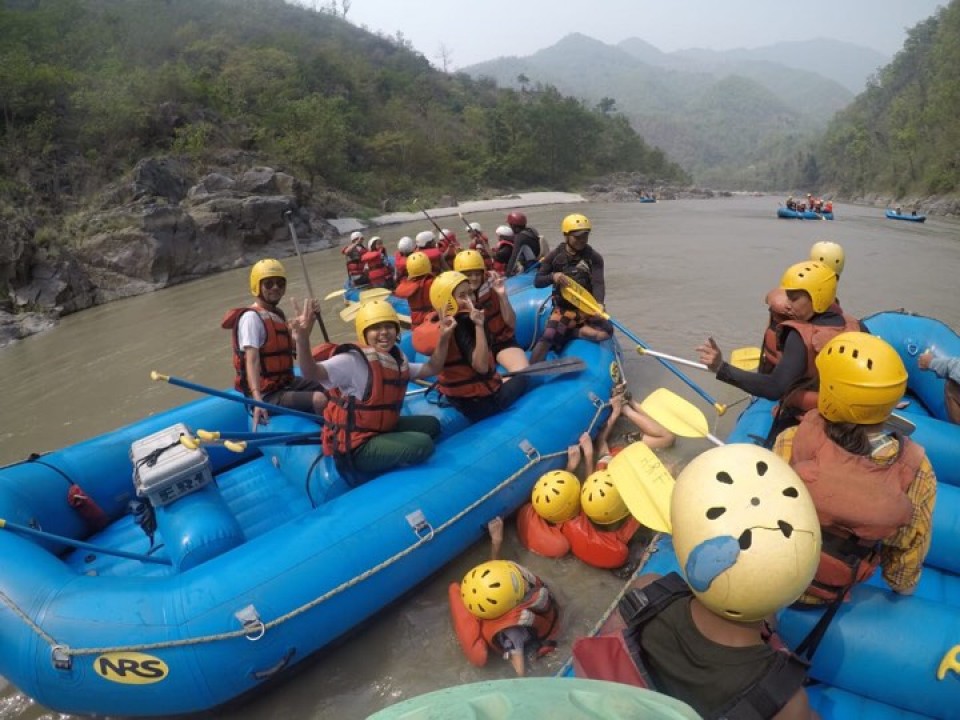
(424, 238)
(475, 226)
(505, 231)
(356, 235)
(406, 246)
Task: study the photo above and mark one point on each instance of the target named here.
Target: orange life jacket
(539, 536)
(600, 548)
(355, 265)
(416, 291)
(504, 249)
(859, 502)
(477, 637)
(433, 254)
(814, 336)
(379, 273)
(276, 354)
(400, 265)
(482, 245)
(458, 377)
(348, 421)
(496, 326)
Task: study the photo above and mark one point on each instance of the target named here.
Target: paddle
(296, 246)
(335, 293)
(576, 294)
(216, 435)
(746, 358)
(644, 484)
(25, 530)
(242, 399)
(239, 446)
(558, 366)
(677, 415)
(440, 232)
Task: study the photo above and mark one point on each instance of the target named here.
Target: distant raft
(913, 217)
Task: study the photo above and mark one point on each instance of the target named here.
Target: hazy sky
(474, 30)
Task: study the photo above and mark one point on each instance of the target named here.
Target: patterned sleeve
(904, 552)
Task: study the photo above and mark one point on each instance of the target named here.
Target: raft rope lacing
(63, 651)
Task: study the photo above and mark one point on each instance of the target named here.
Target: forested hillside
(89, 87)
(902, 136)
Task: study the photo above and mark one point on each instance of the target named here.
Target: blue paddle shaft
(83, 545)
(251, 402)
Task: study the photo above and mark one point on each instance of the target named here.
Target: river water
(676, 272)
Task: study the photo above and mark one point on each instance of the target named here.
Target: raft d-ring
(950, 661)
(530, 451)
(421, 527)
(252, 624)
(61, 657)
(912, 347)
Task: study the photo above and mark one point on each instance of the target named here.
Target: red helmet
(517, 218)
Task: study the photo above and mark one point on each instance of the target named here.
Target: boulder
(159, 178)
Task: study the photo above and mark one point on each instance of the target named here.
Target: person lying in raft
(367, 382)
(703, 637)
(591, 521)
(811, 289)
(503, 607)
(575, 259)
(825, 251)
(490, 295)
(469, 378)
(873, 488)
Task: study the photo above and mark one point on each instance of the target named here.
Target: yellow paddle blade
(335, 293)
(644, 484)
(578, 296)
(349, 313)
(745, 358)
(373, 294)
(675, 414)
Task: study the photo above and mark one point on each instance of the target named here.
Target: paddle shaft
(720, 408)
(674, 358)
(82, 545)
(282, 439)
(207, 436)
(249, 402)
(306, 275)
(432, 221)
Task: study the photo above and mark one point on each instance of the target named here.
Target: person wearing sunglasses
(263, 348)
(573, 259)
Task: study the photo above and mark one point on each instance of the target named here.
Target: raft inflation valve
(421, 528)
(250, 619)
(61, 659)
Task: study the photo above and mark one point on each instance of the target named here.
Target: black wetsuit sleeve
(792, 366)
(544, 276)
(597, 279)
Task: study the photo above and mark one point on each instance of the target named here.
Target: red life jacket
(400, 265)
(458, 377)
(539, 536)
(379, 273)
(355, 265)
(276, 354)
(778, 305)
(504, 249)
(814, 336)
(497, 328)
(477, 637)
(434, 255)
(618, 655)
(859, 503)
(348, 421)
(416, 291)
(601, 548)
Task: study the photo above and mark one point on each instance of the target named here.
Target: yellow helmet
(575, 223)
(372, 313)
(814, 278)
(829, 253)
(441, 292)
(492, 589)
(862, 378)
(556, 496)
(745, 531)
(263, 269)
(467, 260)
(600, 499)
(417, 264)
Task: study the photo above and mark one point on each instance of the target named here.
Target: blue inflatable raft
(783, 212)
(257, 560)
(894, 215)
